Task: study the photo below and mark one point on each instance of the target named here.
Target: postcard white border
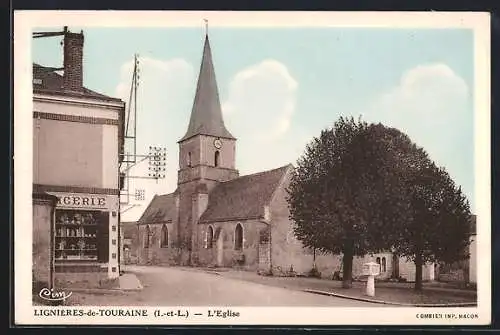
(24, 21)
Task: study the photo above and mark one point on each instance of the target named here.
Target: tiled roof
(160, 210)
(243, 197)
(206, 115)
(47, 80)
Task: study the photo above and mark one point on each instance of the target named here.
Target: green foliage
(440, 221)
(362, 188)
(345, 192)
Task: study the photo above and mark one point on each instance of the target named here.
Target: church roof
(243, 197)
(160, 210)
(47, 81)
(206, 115)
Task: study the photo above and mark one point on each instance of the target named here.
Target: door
(395, 266)
(220, 249)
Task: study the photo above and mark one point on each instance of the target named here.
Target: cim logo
(52, 295)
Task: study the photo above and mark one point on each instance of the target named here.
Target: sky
(279, 87)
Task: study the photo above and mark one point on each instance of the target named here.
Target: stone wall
(155, 254)
(287, 252)
(43, 206)
(222, 252)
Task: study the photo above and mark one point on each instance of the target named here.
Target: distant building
(77, 141)
(129, 242)
(465, 270)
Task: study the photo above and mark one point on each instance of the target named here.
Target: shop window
(210, 237)
(147, 235)
(216, 158)
(81, 235)
(384, 265)
(238, 237)
(164, 237)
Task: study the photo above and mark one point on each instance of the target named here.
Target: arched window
(216, 158)
(238, 237)
(378, 260)
(147, 234)
(164, 237)
(189, 159)
(384, 265)
(210, 237)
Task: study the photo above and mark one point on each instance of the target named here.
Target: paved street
(191, 287)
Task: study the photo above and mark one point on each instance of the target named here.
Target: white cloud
(432, 105)
(164, 101)
(258, 110)
(261, 98)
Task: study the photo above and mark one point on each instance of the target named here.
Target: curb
(463, 304)
(96, 290)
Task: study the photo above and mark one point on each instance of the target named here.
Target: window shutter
(103, 238)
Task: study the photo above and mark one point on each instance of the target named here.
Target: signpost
(371, 270)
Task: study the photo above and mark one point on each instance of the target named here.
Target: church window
(216, 158)
(210, 237)
(147, 234)
(378, 260)
(384, 265)
(164, 237)
(238, 237)
(189, 162)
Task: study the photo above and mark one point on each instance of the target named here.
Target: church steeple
(206, 115)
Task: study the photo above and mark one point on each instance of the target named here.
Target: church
(217, 218)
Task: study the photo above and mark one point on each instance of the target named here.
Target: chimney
(73, 61)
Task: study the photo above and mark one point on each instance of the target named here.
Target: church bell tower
(206, 157)
(207, 150)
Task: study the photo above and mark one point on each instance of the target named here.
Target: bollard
(371, 270)
(370, 286)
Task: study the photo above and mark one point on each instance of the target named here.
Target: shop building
(77, 142)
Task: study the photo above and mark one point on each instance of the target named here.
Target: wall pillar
(43, 221)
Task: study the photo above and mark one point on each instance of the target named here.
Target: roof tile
(161, 209)
(243, 197)
(47, 80)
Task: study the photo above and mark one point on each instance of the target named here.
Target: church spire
(206, 115)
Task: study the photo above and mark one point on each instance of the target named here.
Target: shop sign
(81, 201)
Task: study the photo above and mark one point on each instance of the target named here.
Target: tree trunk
(418, 271)
(347, 267)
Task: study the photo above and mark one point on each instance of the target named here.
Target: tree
(439, 227)
(345, 194)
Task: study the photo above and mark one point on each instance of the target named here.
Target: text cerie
(81, 201)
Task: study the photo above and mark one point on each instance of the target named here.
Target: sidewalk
(129, 282)
(385, 292)
(126, 282)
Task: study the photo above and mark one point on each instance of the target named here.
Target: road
(171, 286)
